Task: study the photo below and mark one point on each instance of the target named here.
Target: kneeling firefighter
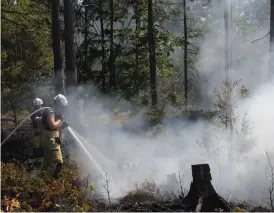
(53, 123)
(37, 129)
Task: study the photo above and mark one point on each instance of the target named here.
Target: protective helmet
(37, 102)
(62, 99)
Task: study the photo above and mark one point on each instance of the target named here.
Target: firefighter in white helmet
(37, 129)
(53, 124)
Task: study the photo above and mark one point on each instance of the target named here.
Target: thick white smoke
(201, 142)
(241, 177)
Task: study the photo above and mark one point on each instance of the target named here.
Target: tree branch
(12, 12)
(26, 16)
(261, 38)
(14, 22)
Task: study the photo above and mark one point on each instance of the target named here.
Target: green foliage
(226, 101)
(176, 99)
(91, 187)
(243, 23)
(130, 47)
(209, 116)
(26, 49)
(154, 115)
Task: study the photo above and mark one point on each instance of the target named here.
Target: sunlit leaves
(26, 47)
(91, 187)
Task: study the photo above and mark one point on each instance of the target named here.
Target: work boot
(57, 170)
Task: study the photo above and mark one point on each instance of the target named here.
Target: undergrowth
(26, 191)
(22, 190)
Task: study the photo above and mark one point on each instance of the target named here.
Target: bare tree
(182, 190)
(107, 189)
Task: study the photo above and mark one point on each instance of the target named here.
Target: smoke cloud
(130, 157)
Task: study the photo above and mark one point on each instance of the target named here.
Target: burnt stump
(202, 196)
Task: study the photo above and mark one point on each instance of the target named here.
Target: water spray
(84, 144)
(86, 151)
(38, 110)
(94, 150)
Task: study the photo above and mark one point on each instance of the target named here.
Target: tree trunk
(271, 49)
(137, 26)
(86, 35)
(228, 83)
(59, 76)
(152, 56)
(112, 83)
(227, 43)
(226, 53)
(15, 120)
(230, 64)
(103, 74)
(71, 72)
(185, 53)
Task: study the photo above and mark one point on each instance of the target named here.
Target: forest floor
(25, 188)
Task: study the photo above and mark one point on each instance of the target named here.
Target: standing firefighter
(37, 128)
(53, 123)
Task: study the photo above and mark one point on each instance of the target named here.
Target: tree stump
(202, 196)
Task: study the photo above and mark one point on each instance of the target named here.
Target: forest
(155, 87)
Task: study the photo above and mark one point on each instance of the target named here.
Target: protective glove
(59, 117)
(64, 125)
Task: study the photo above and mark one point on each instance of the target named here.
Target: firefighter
(53, 124)
(37, 130)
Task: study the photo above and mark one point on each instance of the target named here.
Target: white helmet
(37, 102)
(62, 99)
